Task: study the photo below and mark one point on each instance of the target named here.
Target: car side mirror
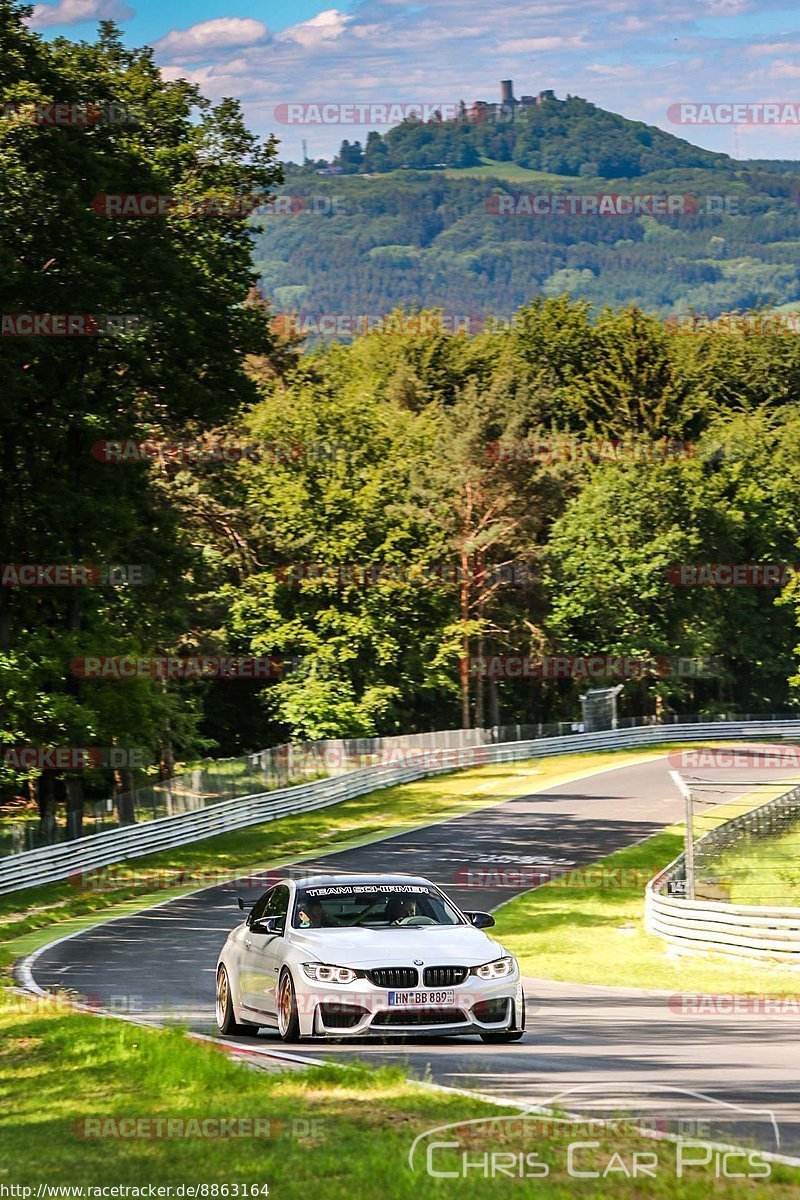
(269, 925)
(481, 920)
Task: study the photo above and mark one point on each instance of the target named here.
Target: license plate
(421, 999)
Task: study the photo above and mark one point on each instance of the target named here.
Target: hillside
(568, 137)
(435, 238)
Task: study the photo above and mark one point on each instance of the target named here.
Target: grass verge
(763, 871)
(588, 927)
(68, 1081)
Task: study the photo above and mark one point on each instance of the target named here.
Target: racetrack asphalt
(597, 1049)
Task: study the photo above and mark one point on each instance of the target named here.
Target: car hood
(452, 945)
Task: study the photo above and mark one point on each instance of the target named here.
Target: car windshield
(371, 906)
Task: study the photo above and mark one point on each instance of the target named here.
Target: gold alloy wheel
(284, 1004)
(222, 996)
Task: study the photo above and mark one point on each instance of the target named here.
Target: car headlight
(498, 969)
(325, 973)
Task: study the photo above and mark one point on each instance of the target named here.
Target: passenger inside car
(310, 914)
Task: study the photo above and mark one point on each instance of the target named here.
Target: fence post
(686, 792)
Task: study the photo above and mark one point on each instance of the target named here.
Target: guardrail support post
(686, 792)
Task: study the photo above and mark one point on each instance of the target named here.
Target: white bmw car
(356, 955)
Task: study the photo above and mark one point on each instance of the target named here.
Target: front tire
(506, 1035)
(288, 1017)
(226, 1019)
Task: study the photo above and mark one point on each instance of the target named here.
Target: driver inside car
(400, 907)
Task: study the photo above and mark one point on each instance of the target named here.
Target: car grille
(340, 1016)
(491, 1010)
(425, 1016)
(394, 977)
(439, 977)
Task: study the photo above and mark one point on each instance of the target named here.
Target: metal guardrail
(267, 770)
(280, 767)
(51, 864)
(744, 930)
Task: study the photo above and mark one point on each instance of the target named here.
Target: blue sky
(631, 56)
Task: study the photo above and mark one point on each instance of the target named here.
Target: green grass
(341, 1134)
(495, 169)
(762, 871)
(157, 877)
(578, 931)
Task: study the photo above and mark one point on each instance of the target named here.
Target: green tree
(185, 278)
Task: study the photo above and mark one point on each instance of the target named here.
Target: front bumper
(361, 1009)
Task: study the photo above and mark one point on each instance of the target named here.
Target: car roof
(328, 880)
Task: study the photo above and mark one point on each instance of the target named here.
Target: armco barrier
(743, 930)
(53, 863)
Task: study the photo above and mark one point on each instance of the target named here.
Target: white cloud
(521, 45)
(766, 49)
(781, 69)
(72, 12)
(324, 27)
(726, 8)
(626, 72)
(629, 56)
(199, 41)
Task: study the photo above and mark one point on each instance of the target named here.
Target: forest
(372, 518)
(470, 243)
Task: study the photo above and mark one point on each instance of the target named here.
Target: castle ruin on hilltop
(481, 110)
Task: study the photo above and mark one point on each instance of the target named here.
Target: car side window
(277, 902)
(259, 909)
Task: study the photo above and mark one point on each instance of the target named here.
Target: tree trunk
(46, 802)
(125, 806)
(5, 622)
(74, 787)
(464, 590)
(479, 686)
(494, 704)
(480, 681)
(166, 767)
